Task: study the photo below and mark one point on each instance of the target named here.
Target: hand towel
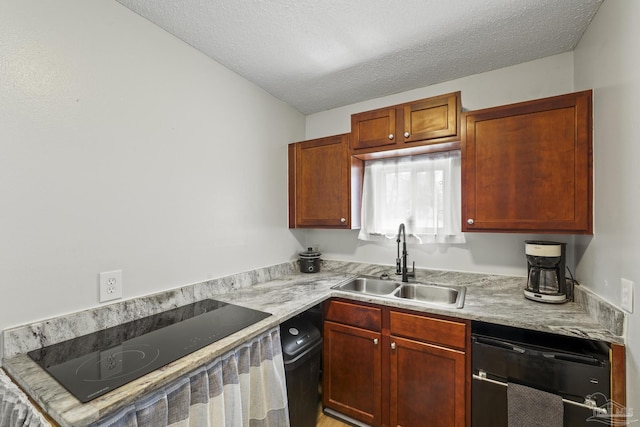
(528, 407)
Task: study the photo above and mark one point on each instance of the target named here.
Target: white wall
(485, 253)
(124, 148)
(607, 60)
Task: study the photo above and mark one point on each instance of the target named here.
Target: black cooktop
(92, 365)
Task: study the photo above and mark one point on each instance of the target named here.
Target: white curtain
(243, 388)
(423, 192)
(15, 408)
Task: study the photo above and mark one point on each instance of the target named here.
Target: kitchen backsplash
(606, 314)
(22, 339)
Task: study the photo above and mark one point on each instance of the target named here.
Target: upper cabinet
(527, 167)
(408, 127)
(324, 182)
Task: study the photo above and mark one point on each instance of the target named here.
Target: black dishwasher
(577, 370)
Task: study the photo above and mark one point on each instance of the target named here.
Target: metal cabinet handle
(407, 134)
(393, 346)
(343, 220)
(470, 221)
(375, 341)
(390, 136)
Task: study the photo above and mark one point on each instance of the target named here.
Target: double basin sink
(426, 293)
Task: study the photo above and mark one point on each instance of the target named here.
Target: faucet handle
(412, 273)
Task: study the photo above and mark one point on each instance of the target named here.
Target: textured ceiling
(320, 54)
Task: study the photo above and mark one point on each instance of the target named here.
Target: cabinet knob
(407, 134)
(343, 220)
(393, 346)
(390, 136)
(470, 221)
(375, 341)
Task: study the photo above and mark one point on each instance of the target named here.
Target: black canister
(310, 261)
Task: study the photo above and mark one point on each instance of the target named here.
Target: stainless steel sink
(368, 285)
(432, 294)
(424, 293)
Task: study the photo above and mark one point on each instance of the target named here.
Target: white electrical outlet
(626, 295)
(110, 285)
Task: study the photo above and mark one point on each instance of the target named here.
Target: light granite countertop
(284, 293)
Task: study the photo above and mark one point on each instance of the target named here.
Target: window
(423, 192)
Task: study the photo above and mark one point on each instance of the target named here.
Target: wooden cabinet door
(320, 184)
(527, 167)
(427, 385)
(432, 118)
(352, 371)
(375, 128)
(407, 129)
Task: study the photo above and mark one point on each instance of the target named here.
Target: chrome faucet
(402, 269)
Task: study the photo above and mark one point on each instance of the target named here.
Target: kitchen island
(283, 292)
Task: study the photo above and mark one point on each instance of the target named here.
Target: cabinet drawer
(437, 331)
(358, 315)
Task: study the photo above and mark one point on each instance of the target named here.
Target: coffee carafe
(545, 267)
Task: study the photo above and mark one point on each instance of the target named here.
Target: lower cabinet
(392, 367)
(427, 384)
(352, 372)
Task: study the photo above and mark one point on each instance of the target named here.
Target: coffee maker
(545, 267)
